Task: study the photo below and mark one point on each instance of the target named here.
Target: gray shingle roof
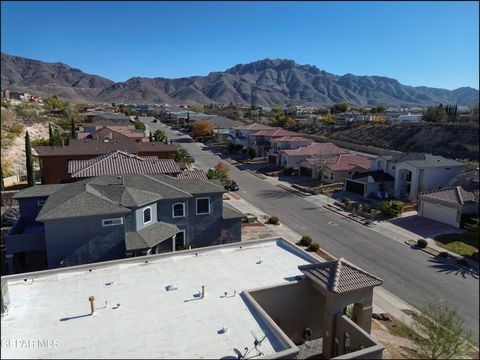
(423, 160)
(38, 190)
(150, 236)
(229, 212)
(192, 186)
(340, 276)
(118, 163)
(452, 195)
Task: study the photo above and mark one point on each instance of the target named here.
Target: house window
(112, 222)
(147, 215)
(180, 240)
(178, 210)
(41, 202)
(203, 206)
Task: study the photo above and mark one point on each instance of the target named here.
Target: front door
(180, 241)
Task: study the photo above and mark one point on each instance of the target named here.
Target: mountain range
(264, 82)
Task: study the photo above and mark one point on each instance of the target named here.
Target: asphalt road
(410, 274)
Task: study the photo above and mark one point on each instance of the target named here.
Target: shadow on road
(277, 194)
(442, 265)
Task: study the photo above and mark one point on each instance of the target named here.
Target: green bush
(306, 241)
(274, 220)
(443, 254)
(422, 243)
(231, 148)
(392, 208)
(314, 247)
(252, 153)
(346, 201)
(288, 170)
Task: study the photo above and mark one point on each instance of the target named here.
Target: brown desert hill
(459, 141)
(264, 82)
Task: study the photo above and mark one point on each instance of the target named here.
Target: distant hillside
(265, 82)
(450, 140)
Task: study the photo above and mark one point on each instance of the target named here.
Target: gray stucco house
(112, 217)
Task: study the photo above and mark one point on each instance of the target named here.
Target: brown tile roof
(192, 174)
(119, 163)
(97, 147)
(316, 148)
(452, 195)
(340, 276)
(123, 130)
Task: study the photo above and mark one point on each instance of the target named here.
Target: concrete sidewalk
(383, 301)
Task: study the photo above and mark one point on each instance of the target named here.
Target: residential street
(410, 274)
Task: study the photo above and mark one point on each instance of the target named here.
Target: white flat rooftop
(49, 317)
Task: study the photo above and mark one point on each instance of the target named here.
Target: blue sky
(418, 43)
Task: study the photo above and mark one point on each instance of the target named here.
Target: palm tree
(29, 161)
(160, 136)
(182, 155)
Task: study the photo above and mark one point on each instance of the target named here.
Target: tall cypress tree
(151, 137)
(50, 135)
(2, 186)
(29, 161)
(72, 128)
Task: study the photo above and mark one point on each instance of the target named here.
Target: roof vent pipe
(203, 292)
(92, 305)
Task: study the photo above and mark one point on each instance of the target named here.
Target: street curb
(263, 177)
(452, 258)
(293, 191)
(345, 216)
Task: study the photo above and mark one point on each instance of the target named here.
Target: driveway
(423, 227)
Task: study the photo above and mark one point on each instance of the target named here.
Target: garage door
(355, 187)
(305, 171)
(439, 212)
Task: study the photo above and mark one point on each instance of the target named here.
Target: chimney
(92, 305)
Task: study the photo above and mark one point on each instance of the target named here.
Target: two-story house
(323, 151)
(240, 134)
(112, 217)
(261, 140)
(54, 159)
(285, 143)
(417, 172)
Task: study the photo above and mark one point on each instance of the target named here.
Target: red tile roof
(193, 174)
(349, 162)
(119, 163)
(275, 132)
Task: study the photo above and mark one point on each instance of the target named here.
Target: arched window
(178, 210)
(147, 215)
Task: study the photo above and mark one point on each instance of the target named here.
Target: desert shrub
(238, 147)
(313, 247)
(365, 208)
(392, 208)
(274, 220)
(422, 243)
(346, 201)
(306, 241)
(252, 153)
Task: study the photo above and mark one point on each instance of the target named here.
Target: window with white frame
(147, 215)
(178, 210)
(112, 222)
(203, 205)
(41, 202)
